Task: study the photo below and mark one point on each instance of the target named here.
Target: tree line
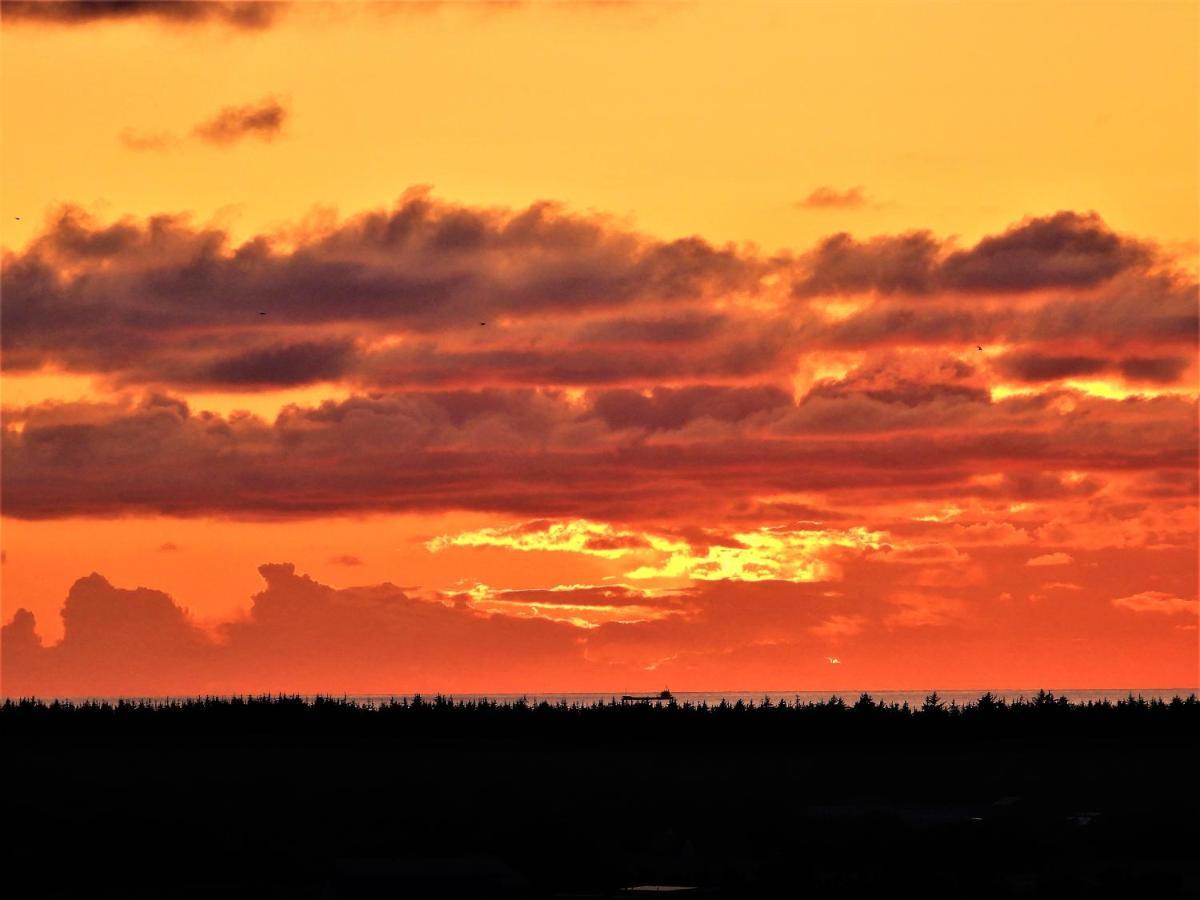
(444, 717)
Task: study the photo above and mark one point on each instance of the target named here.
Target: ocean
(712, 698)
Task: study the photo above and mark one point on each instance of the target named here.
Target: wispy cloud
(263, 120)
(826, 197)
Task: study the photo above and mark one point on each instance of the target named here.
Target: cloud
(544, 278)
(583, 606)
(1064, 250)
(263, 120)
(298, 634)
(625, 388)
(1035, 367)
(157, 140)
(767, 554)
(826, 197)
(579, 536)
(1051, 559)
(346, 559)
(280, 365)
(669, 409)
(302, 635)
(241, 15)
(1155, 369)
(391, 300)
(1156, 602)
(546, 453)
(841, 264)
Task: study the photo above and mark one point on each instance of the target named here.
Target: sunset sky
(600, 346)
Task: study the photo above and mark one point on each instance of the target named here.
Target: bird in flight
(977, 347)
(483, 323)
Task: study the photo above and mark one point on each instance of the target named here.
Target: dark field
(284, 798)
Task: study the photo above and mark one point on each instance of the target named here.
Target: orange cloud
(1050, 559)
(1156, 602)
(301, 635)
(826, 197)
(263, 120)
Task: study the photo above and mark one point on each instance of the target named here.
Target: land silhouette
(435, 797)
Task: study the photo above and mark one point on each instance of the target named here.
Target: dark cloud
(544, 453)
(1035, 367)
(672, 408)
(616, 375)
(281, 365)
(686, 328)
(160, 300)
(1065, 250)
(262, 120)
(841, 264)
(426, 365)
(164, 303)
(826, 197)
(346, 559)
(241, 15)
(1155, 369)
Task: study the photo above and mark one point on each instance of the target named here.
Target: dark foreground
(288, 799)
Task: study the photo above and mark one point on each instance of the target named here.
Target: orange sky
(863, 331)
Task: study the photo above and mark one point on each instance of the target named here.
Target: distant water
(712, 698)
(913, 698)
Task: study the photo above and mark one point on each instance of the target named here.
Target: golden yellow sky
(709, 118)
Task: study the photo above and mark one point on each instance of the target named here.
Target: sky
(469, 347)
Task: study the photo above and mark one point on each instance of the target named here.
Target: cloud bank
(838, 450)
(299, 635)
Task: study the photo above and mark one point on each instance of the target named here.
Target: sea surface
(913, 698)
(712, 698)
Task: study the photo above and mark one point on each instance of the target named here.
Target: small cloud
(1061, 586)
(262, 120)
(168, 547)
(826, 197)
(161, 140)
(1156, 602)
(834, 661)
(1051, 559)
(346, 560)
